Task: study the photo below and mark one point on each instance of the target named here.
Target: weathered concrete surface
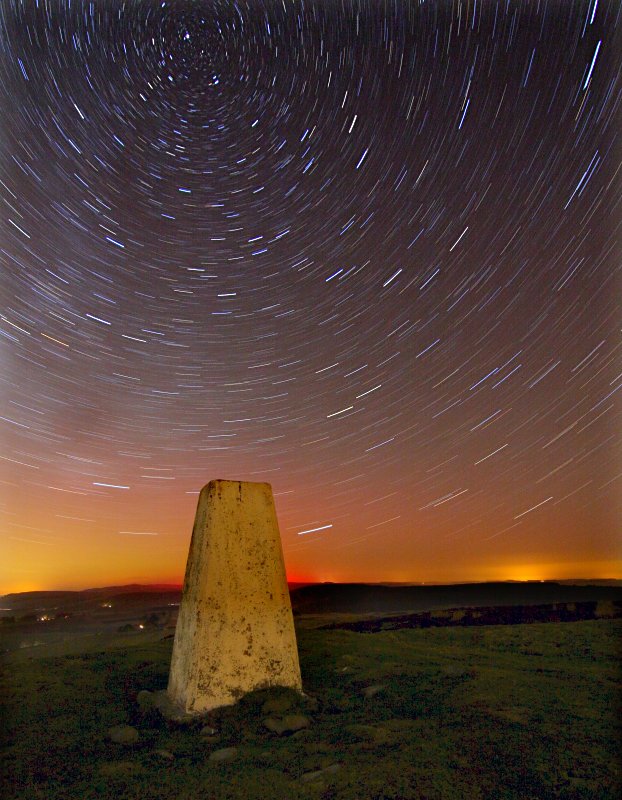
(235, 630)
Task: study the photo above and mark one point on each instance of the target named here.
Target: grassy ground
(524, 711)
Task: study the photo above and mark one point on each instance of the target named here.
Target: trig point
(235, 630)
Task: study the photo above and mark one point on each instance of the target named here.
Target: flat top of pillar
(222, 483)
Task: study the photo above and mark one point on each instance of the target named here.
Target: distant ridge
(138, 587)
(86, 600)
(380, 598)
(131, 594)
(129, 588)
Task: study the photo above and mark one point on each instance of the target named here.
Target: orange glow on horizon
(520, 573)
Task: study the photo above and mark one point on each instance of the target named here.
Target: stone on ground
(372, 691)
(277, 705)
(164, 754)
(171, 711)
(224, 754)
(145, 700)
(319, 774)
(123, 734)
(288, 724)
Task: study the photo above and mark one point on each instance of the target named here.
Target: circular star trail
(366, 252)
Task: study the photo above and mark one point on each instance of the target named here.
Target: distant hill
(130, 588)
(89, 599)
(592, 581)
(358, 598)
(130, 596)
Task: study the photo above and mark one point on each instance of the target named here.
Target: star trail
(364, 251)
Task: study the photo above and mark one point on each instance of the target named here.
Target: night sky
(366, 252)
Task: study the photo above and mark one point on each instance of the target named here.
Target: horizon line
(179, 586)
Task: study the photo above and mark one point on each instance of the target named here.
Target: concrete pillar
(235, 630)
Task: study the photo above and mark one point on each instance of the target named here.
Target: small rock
(165, 754)
(207, 730)
(275, 725)
(373, 734)
(145, 700)
(318, 774)
(309, 777)
(224, 754)
(295, 722)
(169, 710)
(372, 691)
(289, 724)
(123, 734)
(277, 705)
(311, 703)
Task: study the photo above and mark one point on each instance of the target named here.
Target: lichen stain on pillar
(235, 630)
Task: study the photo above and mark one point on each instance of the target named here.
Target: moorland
(513, 711)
